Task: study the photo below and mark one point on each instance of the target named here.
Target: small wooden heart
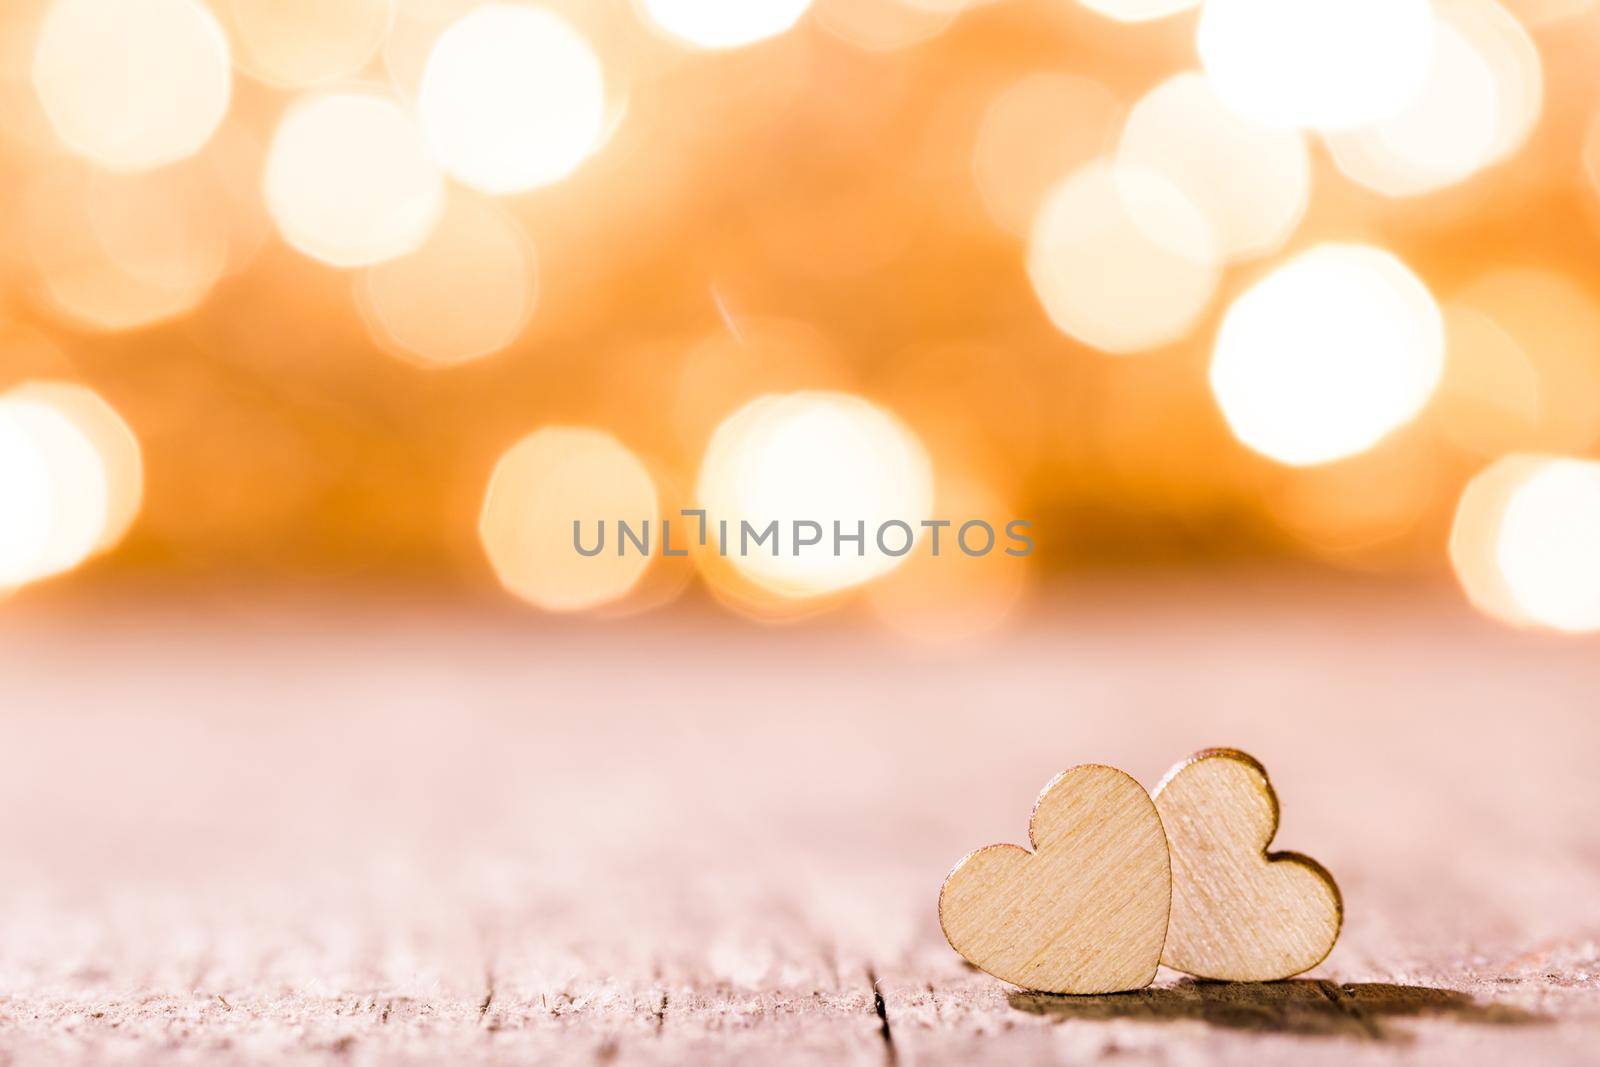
(1239, 912)
(1086, 910)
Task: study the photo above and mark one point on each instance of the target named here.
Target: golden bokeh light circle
(132, 84)
(94, 269)
(1035, 131)
(723, 23)
(1316, 64)
(1475, 536)
(1482, 95)
(121, 458)
(1139, 10)
(512, 97)
(1121, 259)
(301, 43)
(77, 492)
(1252, 182)
(540, 487)
(819, 457)
(26, 501)
(1545, 547)
(466, 293)
(349, 181)
(1504, 44)
(1327, 355)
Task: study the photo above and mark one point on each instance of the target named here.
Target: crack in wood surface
(488, 995)
(890, 1053)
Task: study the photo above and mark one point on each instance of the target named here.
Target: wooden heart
(1086, 910)
(1239, 912)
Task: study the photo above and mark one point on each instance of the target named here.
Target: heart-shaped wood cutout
(1086, 910)
(1239, 912)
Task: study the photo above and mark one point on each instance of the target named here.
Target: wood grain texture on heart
(1239, 912)
(1086, 910)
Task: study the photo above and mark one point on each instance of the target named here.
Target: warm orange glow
(1524, 542)
(1544, 12)
(1251, 182)
(299, 43)
(169, 227)
(512, 97)
(948, 6)
(820, 457)
(952, 600)
(737, 592)
(1033, 134)
(981, 416)
(540, 486)
(466, 293)
(667, 578)
(132, 84)
(1121, 259)
(1490, 400)
(1327, 354)
(87, 240)
(880, 25)
(1361, 512)
(1591, 154)
(642, 217)
(348, 180)
(741, 360)
(1555, 323)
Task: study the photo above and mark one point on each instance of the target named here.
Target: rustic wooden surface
(404, 834)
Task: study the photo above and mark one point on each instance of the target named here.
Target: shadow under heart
(1305, 1007)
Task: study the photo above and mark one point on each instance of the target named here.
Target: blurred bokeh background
(322, 321)
(386, 292)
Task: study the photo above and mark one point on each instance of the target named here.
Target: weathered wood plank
(470, 840)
